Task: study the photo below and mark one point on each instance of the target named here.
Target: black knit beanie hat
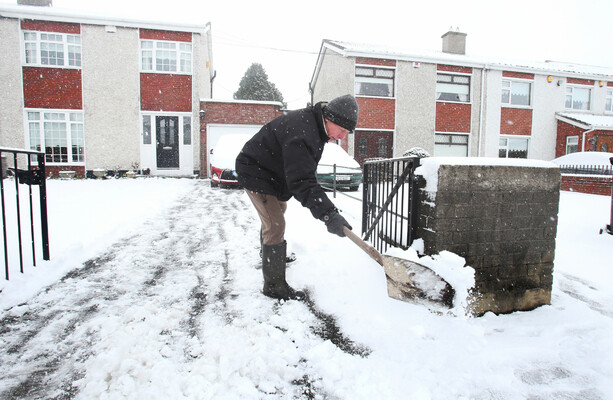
(343, 111)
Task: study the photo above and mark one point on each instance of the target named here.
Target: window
(382, 147)
(578, 98)
(453, 87)
(51, 49)
(513, 147)
(609, 101)
(166, 56)
(572, 144)
(146, 129)
(187, 130)
(60, 134)
(362, 147)
(450, 145)
(516, 93)
(371, 81)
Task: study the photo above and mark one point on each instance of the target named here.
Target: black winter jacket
(281, 159)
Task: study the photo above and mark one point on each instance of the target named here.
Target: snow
(429, 166)
(153, 291)
(335, 154)
(595, 158)
(224, 152)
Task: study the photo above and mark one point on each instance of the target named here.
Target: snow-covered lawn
(153, 291)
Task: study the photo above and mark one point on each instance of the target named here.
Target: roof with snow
(83, 17)
(587, 121)
(430, 56)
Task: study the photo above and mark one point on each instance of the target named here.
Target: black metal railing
(587, 169)
(31, 176)
(389, 202)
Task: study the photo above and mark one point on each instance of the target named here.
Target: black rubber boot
(273, 269)
(289, 258)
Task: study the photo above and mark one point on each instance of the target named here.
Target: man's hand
(335, 222)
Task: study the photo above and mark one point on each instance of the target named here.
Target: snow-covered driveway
(167, 313)
(173, 310)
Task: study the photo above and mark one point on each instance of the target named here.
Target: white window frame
(608, 106)
(505, 147)
(570, 94)
(68, 45)
(509, 88)
(40, 125)
(379, 76)
(166, 57)
(572, 141)
(451, 80)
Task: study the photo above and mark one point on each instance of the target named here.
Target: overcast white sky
(285, 36)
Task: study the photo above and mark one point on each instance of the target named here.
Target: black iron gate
(31, 176)
(389, 214)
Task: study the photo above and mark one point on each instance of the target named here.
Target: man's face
(335, 132)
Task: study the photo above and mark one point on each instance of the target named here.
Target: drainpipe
(583, 140)
(481, 122)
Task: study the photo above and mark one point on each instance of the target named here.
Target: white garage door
(215, 131)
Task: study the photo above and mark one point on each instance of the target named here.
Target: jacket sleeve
(300, 162)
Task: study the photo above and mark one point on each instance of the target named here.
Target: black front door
(167, 142)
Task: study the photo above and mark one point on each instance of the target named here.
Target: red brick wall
(520, 75)
(515, 121)
(52, 88)
(49, 26)
(376, 113)
(587, 184)
(165, 92)
(375, 61)
(454, 68)
(53, 171)
(232, 114)
(165, 35)
(578, 81)
(452, 117)
(565, 130)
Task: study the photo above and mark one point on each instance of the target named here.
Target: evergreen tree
(255, 86)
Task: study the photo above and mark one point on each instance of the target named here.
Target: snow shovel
(408, 280)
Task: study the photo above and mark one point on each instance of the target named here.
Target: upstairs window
(453, 87)
(608, 106)
(372, 81)
(166, 56)
(517, 93)
(578, 98)
(51, 49)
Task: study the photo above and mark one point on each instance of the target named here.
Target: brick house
(452, 104)
(98, 92)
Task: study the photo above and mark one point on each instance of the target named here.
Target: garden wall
(591, 184)
(502, 219)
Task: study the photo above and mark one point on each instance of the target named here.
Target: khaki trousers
(271, 210)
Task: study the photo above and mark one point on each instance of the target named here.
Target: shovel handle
(371, 251)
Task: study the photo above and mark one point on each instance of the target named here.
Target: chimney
(40, 3)
(454, 42)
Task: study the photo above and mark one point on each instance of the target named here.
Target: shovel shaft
(371, 251)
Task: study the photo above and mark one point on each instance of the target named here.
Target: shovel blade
(416, 283)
